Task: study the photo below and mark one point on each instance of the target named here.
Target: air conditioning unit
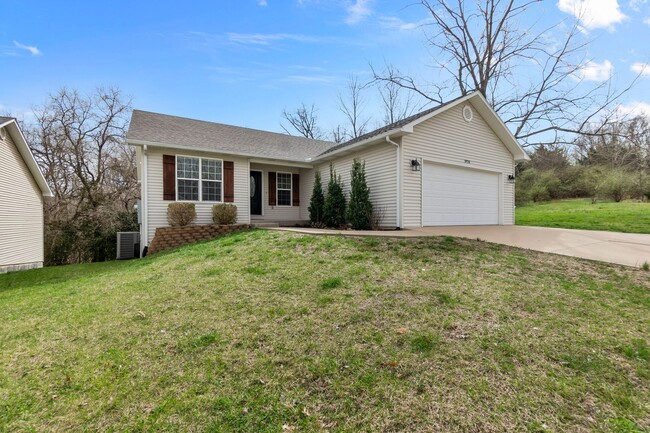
(128, 245)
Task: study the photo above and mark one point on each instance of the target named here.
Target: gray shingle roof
(209, 136)
(389, 127)
(4, 119)
(202, 135)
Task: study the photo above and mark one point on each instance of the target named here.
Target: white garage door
(459, 196)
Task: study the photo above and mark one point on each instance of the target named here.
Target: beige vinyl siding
(21, 205)
(277, 213)
(306, 187)
(381, 175)
(157, 207)
(448, 139)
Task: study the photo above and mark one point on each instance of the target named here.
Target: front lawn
(280, 332)
(627, 216)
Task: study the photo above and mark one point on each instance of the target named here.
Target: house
(22, 188)
(449, 165)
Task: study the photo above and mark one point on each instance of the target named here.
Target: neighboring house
(449, 165)
(22, 188)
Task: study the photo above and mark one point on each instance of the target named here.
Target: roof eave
(28, 157)
(134, 142)
(395, 133)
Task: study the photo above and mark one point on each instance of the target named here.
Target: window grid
(199, 179)
(284, 188)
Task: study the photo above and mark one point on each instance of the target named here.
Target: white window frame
(200, 179)
(277, 188)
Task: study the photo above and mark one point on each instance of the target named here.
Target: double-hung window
(198, 179)
(211, 179)
(284, 187)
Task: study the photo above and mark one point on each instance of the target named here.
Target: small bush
(539, 193)
(317, 203)
(181, 214)
(617, 185)
(550, 181)
(334, 209)
(360, 208)
(224, 213)
(376, 217)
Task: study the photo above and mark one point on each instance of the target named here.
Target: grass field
(627, 216)
(277, 332)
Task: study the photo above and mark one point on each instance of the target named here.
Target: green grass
(627, 216)
(275, 332)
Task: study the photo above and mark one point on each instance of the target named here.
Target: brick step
(262, 225)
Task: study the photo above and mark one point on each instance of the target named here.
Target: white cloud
(395, 23)
(635, 109)
(594, 14)
(641, 68)
(268, 38)
(262, 2)
(647, 21)
(636, 4)
(592, 71)
(311, 78)
(33, 50)
(358, 11)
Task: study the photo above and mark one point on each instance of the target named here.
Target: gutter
(267, 160)
(352, 147)
(145, 201)
(398, 148)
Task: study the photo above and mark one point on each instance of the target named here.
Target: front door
(256, 192)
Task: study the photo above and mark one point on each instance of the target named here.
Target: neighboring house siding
(157, 207)
(447, 138)
(21, 205)
(277, 213)
(381, 176)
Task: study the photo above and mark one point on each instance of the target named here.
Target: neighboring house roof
(171, 131)
(11, 125)
(162, 129)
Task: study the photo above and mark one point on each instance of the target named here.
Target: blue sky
(242, 62)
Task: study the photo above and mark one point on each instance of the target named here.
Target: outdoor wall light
(416, 165)
(511, 178)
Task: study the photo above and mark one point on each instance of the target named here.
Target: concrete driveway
(621, 248)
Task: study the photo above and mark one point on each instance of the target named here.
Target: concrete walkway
(620, 248)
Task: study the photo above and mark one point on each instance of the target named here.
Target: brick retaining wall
(171, 237)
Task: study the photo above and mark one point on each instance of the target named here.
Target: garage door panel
(459, 196)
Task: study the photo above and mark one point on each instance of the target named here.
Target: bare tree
(304, 121)
(79, 143)
(352, 106)
(396, 102)
(625, 144)
(338, 134)
(533, 78)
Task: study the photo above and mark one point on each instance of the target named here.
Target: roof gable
(489, 115)
(406, 125)
(10, 124)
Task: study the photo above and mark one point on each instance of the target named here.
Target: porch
(277, 195)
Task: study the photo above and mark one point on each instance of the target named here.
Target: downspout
(398, 197)
(145, 201)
